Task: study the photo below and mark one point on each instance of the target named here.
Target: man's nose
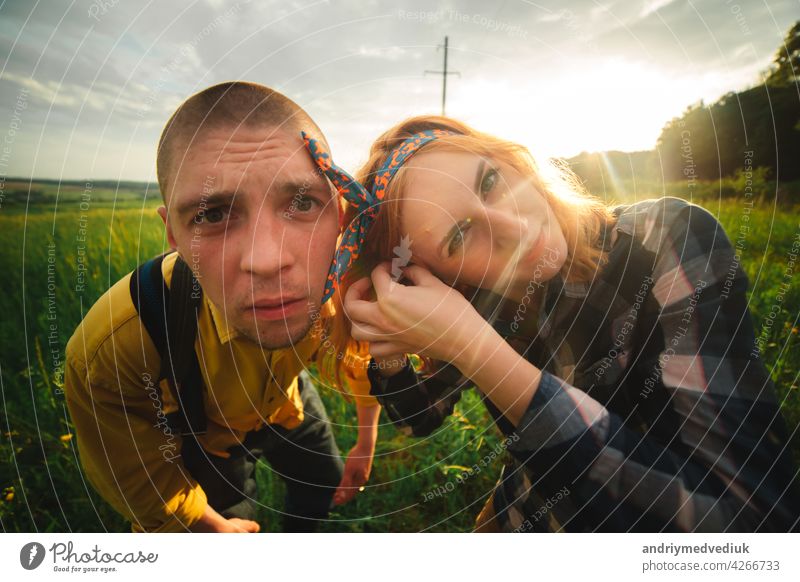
(508, 229)
(267, 251)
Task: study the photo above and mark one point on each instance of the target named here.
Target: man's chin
(278, 334)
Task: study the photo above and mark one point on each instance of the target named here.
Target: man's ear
(162, 212)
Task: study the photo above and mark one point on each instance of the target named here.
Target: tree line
(756, 129)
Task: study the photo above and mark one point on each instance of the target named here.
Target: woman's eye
(458, 239)
(489, 180)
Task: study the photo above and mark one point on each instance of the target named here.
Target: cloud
(101, 96)
(391, 53)
(358, 66)
(653, 6)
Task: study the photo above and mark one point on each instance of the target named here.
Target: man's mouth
(276, 308)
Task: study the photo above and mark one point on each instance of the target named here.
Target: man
(246, 209)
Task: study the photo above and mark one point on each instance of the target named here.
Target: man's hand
(356, 473)
(358, 465)
(213, 522)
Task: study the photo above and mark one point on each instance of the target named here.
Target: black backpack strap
(170, 318)
(150, 294)
(182, 366)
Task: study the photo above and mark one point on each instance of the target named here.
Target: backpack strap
(150, 293)
(170, 318)
(182, 367)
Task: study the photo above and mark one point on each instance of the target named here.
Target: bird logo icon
(402, 253)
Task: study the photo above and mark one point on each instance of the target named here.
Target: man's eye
(489, 181)
(305, 203)
(210, 216)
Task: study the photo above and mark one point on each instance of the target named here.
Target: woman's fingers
(358, 309)
(382, 279)
(365, 332)
(421, 276)
(364, 312)
(358, 290)
(385, 349)
(385, 281)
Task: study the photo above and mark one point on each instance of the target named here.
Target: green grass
(41, 481)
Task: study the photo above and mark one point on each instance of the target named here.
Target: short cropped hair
(227, 105)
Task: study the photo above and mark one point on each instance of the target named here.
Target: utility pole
(444, 74)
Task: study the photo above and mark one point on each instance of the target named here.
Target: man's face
(257, 223)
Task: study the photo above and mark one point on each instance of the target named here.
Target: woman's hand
(427, 318)
(435, 320)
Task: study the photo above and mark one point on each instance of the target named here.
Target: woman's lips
(271, 311)
(535, 250)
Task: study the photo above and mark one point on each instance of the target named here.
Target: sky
(86, 86)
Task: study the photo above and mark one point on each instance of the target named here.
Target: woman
(613, 347)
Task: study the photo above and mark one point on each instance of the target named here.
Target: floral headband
(365, 201)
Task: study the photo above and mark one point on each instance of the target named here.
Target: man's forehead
(221, 152)
(260, 157)
(242, 139)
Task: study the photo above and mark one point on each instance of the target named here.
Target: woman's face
(476, 221)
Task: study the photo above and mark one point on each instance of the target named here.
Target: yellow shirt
(129, 453)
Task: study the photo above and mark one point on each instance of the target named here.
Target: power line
(444, 72)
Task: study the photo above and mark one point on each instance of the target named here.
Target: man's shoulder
(111, 329)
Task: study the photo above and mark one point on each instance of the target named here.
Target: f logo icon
(31, 555)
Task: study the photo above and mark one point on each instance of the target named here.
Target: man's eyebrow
(293, 186)
(213, 199)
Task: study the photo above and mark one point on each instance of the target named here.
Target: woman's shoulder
(681, 244)
(657, 221)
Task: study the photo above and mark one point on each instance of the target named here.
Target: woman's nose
(507, 229)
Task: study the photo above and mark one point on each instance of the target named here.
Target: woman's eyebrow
(478, 177)
(445, 240)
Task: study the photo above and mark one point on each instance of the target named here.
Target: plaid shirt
(654, 411)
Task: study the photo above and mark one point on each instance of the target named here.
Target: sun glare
(612, 104)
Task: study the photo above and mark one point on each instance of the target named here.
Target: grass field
(49, 250)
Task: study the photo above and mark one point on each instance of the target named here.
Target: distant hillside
(21, 191)
(607, 173)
